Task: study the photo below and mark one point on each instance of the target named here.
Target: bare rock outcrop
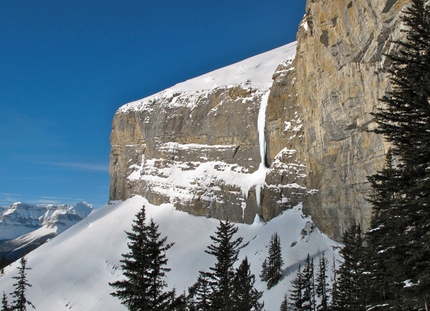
(338, 83)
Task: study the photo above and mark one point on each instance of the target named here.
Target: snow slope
(72, 271)
(255, 72)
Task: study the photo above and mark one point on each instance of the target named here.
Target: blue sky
(67, 66)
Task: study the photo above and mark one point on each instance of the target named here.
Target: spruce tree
(143, 268)
(272, 265)
(385, 278)
(244, 296)
(308, 285)
(20, 301)
(405, 122)
(200, 293)
(334, 291)
(5, 303)
(226, 250)
(351, 287)
(322, 286)
(284, 304)
(296, 296)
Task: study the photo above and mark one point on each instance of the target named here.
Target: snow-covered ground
(72, 271)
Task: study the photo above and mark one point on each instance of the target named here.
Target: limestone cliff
(201, 144)
(198, 145)
(339, 81)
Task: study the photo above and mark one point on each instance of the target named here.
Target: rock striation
(201, 146)
(257, 137)
(339, 64)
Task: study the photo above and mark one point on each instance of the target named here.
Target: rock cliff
(223, 146)
(198, 145)
(339, 81)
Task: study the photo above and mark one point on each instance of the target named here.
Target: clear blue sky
(66, 66)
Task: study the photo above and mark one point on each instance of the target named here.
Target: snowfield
(72, 271)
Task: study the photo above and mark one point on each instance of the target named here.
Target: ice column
(261, 126)
(262, 141)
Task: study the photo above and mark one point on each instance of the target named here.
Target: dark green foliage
(322, 286)
(400, 272)
(308, 285)
(177, 303)
(143, 268)
(383, 239)
(296, 296)
(3, 263)
(20, 301)
(244, 296)
(351, 284)
(5, 303)
(284, 304)
(272, 265)
(221, 278)
(199, 294)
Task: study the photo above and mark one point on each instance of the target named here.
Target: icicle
(261, 126)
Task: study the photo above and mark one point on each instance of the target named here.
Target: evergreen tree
(284, 304)
(334, 291)
(20, 301)
(384, 275)
(322, 287)
(143, 268)
(221, 278)
(272, 265)
(351, 286)
(298, 286)
(177, 303)
(5, 303)
(3, 263)
(200, 293)
(405, 123)
(245, 297)
(308, 285)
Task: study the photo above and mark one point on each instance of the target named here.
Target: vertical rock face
(339, 81)
(200, 145)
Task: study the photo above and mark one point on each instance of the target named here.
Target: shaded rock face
(339, 81)
(202, 151)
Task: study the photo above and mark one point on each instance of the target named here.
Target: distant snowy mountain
(72, 271)
(26, 226)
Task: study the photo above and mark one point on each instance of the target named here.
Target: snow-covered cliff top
(255, 72)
